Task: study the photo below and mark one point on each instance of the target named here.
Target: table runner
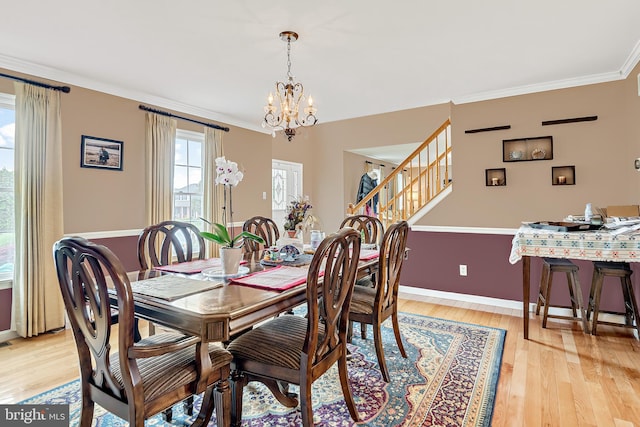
(172, 287)
(192, 267)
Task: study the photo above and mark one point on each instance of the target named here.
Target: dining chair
(168, 242)
(370, 226)
(140, 379)
(372, 231)
(299, 349)
(373, 305)
(163, 244)
(263, 227)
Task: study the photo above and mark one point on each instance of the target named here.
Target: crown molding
(631, 62)
(38, 70)
(535, 88)
(49, 73)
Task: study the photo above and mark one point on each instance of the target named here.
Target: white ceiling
(220, 59)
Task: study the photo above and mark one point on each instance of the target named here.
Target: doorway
(286, 185)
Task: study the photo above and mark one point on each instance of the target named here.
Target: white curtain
(160, 154)
(212, 203)
(37, 302)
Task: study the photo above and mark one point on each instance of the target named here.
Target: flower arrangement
(228, 175)
(297, 211)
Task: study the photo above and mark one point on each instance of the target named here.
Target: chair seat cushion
(277, 342)
(170, 371)
(362, 300)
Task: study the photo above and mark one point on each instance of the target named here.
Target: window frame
(8, 101)
(191, 136)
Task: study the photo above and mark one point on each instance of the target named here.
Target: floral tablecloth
(600, 245)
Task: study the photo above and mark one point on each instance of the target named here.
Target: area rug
(449, 379)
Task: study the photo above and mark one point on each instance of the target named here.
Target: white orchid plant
(228, 175)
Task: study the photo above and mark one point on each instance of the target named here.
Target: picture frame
(101, 153)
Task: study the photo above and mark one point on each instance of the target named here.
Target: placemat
(192, 267)
(275, 279)
(367, 254)
(171, 287)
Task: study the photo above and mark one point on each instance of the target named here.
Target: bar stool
(561, 265)
(601, 269)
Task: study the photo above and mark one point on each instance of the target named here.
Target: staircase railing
(421, 177)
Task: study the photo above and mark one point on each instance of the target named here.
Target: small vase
(230, 258)
(292, 233)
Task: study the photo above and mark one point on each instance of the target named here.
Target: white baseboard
(7, 335)
(408, 291)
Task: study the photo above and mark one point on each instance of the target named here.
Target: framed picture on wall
(101, 153)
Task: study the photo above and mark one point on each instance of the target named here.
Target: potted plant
(228, 175)
(297, 211)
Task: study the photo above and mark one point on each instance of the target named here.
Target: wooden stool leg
(546, 300)
(576, 290)
(572, 295)
(596, 302)
(543, 288)
(634, 304)
(592, 291)
(628, 309)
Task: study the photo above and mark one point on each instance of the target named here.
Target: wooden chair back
(293, 349)
(139, 380)
(330, 283)
(263, 227)
(83, 271)
(392, 255)
(169, 241)
(372, 306)
(372, 227)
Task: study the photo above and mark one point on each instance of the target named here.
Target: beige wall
(602, 152)
(104, 200)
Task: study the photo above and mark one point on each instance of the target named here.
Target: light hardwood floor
(560, 377)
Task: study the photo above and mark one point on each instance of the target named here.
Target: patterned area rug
(449, 379)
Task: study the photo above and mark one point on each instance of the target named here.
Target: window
(187, 177)
(7, 199)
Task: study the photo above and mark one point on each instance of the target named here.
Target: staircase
(416, 184)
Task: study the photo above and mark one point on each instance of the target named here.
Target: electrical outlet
(463, 270)
(264, 195)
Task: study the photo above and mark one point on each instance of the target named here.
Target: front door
(286, 185)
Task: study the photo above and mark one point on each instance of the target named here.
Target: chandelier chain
(289, 58)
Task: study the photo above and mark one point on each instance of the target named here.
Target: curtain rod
(65, 89)
(168, 114)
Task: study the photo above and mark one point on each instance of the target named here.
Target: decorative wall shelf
(495, 177)
(491, 129)
(563, 175)
(527, 149)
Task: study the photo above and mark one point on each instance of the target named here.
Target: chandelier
(284, 114)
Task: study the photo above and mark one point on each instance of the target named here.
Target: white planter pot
(230, 258)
